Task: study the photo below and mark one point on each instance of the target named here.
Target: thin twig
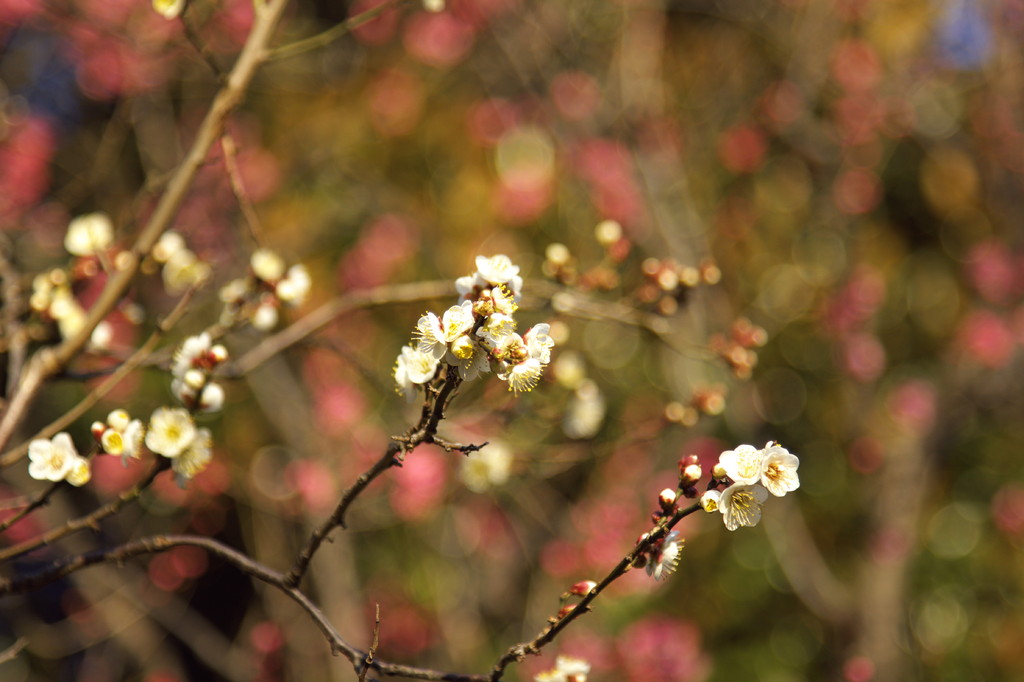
(48, 361)
(34, 502)
(135, 360)
(518, 652)
(89, 520)
(227, 143)
(368, 658)
(423, 432)
(333, 33)
(11, 652)
(162, 543)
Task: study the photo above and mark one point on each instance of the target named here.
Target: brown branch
(518, 652)
(332, 310)
(227, 143)
(368, 659)
(423, 432)
(34, 502)
(135, 360)
(89, 520)
(333, 33)
(11, 652)
(162, 543)
(48, 361)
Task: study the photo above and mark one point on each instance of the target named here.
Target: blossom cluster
(57, 460)
(478, 335)
(194, 361)
(87, 238)
(567, 669)
(182, 268)
(256, 298)
(752, 474)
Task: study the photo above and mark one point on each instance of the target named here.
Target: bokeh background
(846, 176)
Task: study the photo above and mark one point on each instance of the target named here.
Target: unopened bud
(218, 354)
(582, 588)
(194, 378)
(565, 611)
(97, 430)
(719, 471)
(667, 499)
(690, 475)
(212, 398)
(118, 420)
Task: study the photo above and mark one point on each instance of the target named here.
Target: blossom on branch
(52, 460)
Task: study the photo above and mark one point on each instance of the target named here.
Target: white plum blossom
(169, 9)
(193, 352)
(567, 669)
(52, 460)
(80, 472)
(265, 317)
(487, 468)
(742, 465)
(171, 431)
(538, 343)
(182, 270)
(413, 368)
(523, 376)
(293, 289)
(740, 504)
(575, 669)
(434, 5)
(500, 270)
(267, 265)
(89, 234)
(666, 557)
(170, 243)
(709, 500)
(778, 470)
(195, 458)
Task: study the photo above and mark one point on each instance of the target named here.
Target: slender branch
(332, 310)
(89, 520)
(518, 652)
(11, 652)
(49, 361)
(162, 543)
(34, 502)
(333, 33)
(227, 143)
(135, 360)
(423, 432)
(368, 659)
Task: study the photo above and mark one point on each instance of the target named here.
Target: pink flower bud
(97, 430)
(582, 588)
(690, 475)
(565, 611)
(667, 499)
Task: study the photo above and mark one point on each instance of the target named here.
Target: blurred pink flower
(24, 165)
(440, 39)
(913, 404)
(855, 65)
(419, 484)
(663, 649)
(991, 270)
(742, 148)
(386, 244)
(378, 31)
(857, 190)
(1008, 510)
(576, 95)
(863, 357)
(987, 338)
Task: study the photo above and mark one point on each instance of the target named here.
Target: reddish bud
(582, 588)
(690, 474)
(667, 499)
(97, 430)
(565, 611)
